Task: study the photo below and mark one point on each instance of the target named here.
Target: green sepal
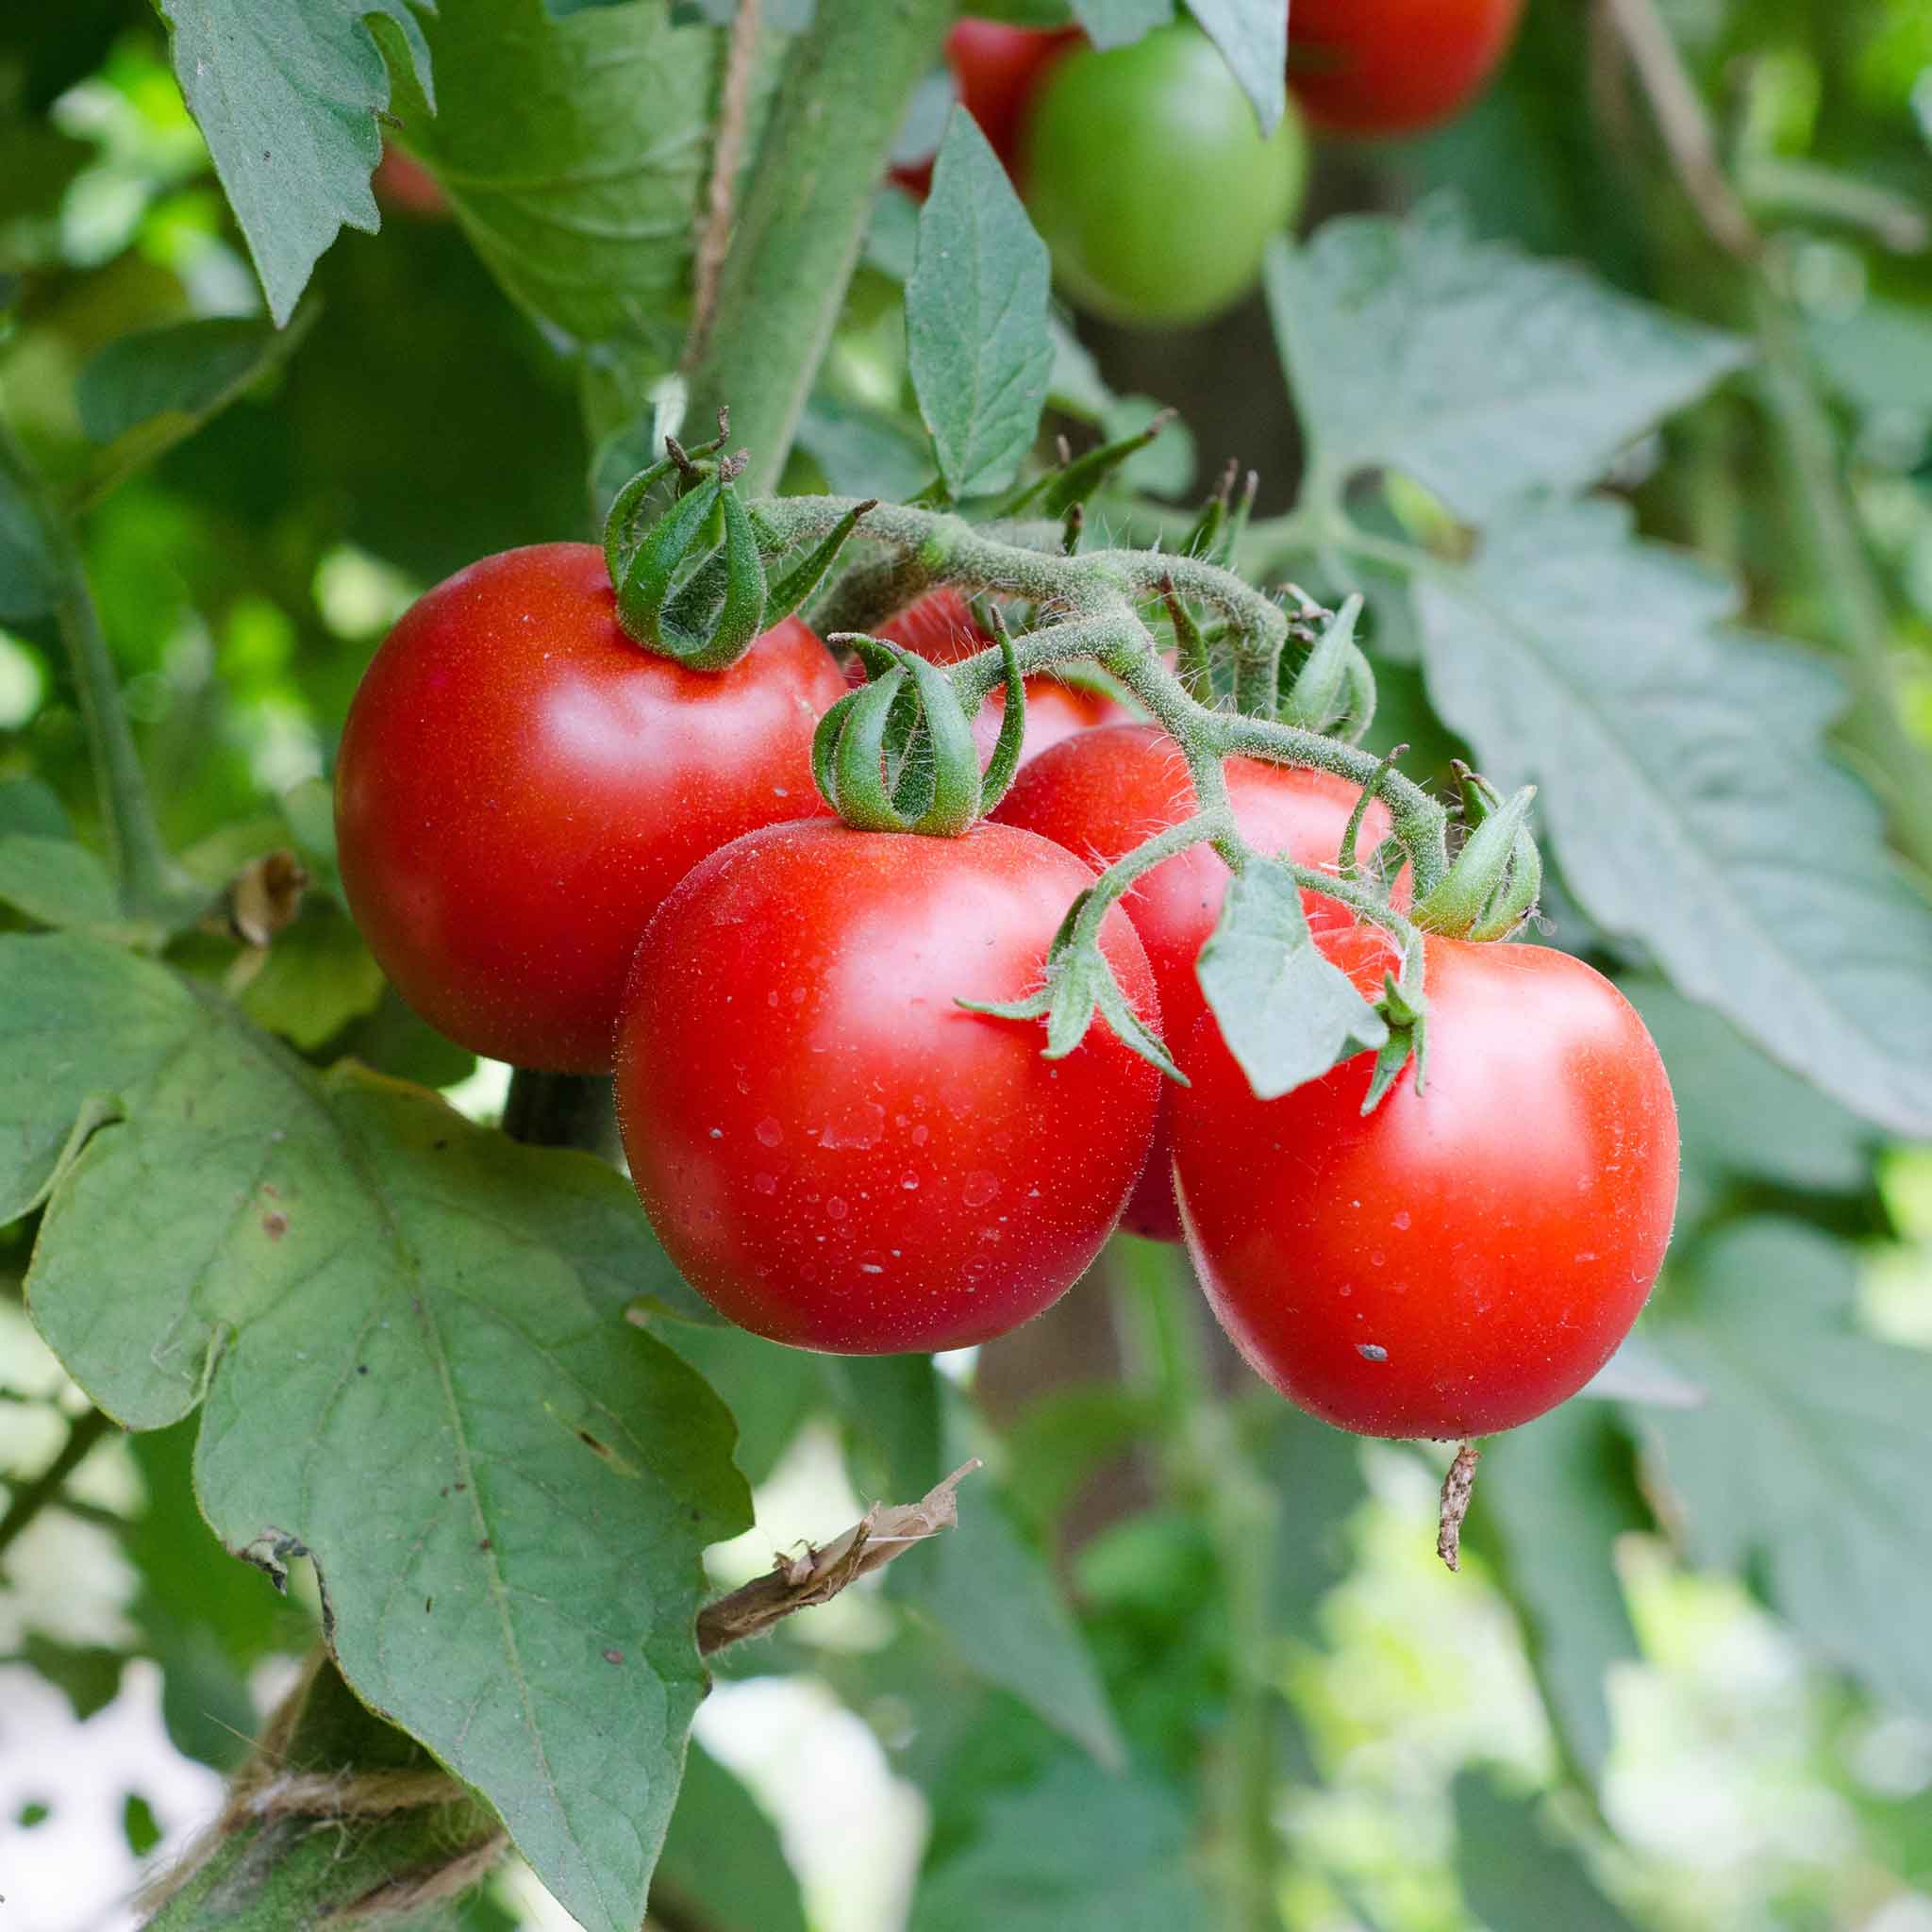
(1516, 898)
(1358, 712)
(1404, 1006)
(1393, 1056)
(624, 508)
(1496, 864)
(860, 793)
(711, 619)
(1224, 517)
(1203, 539)
(646, 585)
(1079, 983)
(1058, 490)
(899, 756)
(624, 505)
(1006, 752)
(805, 576)
(825, 746)
(1349, 864)
(1313, 700)
(1192, 659)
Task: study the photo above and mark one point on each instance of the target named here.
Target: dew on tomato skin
(769, 1132)
(911, 1184)
(1400, 1220)
(1372, 1351)
(979, 1187)
(921, 1135)
(765, 1183)
(836, 1207)
(717, 1133)
(1376, 1259)
(861, 1128)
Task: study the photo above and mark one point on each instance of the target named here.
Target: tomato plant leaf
(56, 882)
(1478, 370)
(1287, 1012)
(1317, 1475)
(187, 369)
(1740, 1114)
(984, 1587)
(407, 1338)
(1689, 794)
(977, 333)
(723, 1863)
(862, 452)
(287, 92)
(146, 391)
(1117, 23)
(1515, 1875)
(990, 1592)
(574, 153)
(1806, 1464)
(1074, 1850)
(315, 978)
(1253, 38)
(1557, 1493)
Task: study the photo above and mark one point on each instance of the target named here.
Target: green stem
(848, 80)
(139, 858)
(1207, 1463)
(30, 1498)
(337, 1817)
(1098, 594)
(1842, 569)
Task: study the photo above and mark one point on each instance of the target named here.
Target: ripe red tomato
(1462, 1258)
(1394, 66)
(995, 69)
(520, 784)
(1107, 792)
(1151, 182)
(835, 1153)
(941, 628)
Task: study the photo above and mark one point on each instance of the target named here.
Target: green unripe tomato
(1150, 182)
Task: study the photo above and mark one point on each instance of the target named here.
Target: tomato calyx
(1492, 888)
(1061, 491)
(1079, 983)
(898, 754)
(1333, 690)
(694, 585)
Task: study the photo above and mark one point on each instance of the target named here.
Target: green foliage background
(1685, 1682)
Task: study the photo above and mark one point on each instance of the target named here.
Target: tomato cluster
(570, 853)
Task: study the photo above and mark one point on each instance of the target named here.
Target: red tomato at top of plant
(1105, 792)
(1466, 1256)
(941, 628)
(834, 1152)
(1394, 66)
(520, 784)
(1151, 182)
(995, 69)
